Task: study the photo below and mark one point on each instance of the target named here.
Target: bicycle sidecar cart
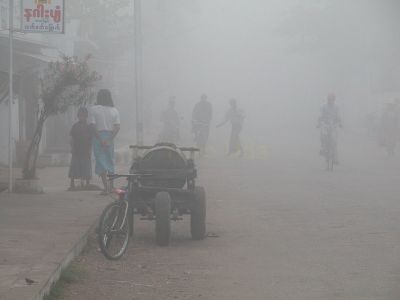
(161, 187)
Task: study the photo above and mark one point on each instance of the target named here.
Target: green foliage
(64, 83)
(67, 83)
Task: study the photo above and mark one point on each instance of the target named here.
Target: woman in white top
(105, 120)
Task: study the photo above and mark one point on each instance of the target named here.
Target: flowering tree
(65, 83)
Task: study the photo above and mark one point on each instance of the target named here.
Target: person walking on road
(81, 148)
(105, 120)
(201, 119)
(328, 122)
(236, 117)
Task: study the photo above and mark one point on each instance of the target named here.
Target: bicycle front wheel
(114, 230)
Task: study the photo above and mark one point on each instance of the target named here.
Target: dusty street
(280, 228)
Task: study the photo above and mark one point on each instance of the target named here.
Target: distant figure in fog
(81, 149)
(389, 128)
(105, 121)
(201, 119)
(328, 121)
(170, 124)
(236, 117)
(371, 121)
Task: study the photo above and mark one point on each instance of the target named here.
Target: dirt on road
(279, 229)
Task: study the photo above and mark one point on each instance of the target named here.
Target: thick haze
(278, 58)
(304, 212)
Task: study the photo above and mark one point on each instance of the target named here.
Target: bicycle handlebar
(115, 176)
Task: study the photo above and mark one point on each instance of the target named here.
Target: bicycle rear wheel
(114, 230)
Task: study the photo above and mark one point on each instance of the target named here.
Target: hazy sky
(279, 58)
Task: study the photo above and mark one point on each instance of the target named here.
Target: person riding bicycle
(201, 119)
(328, 122)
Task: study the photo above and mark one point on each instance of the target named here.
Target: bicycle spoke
(114, 231)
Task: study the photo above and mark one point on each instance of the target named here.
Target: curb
(70, 256)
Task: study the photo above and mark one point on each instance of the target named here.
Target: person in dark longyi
(81, 148)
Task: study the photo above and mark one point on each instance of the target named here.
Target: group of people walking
(98, 125)
(94, 132)
(201, 121)
(385, 128)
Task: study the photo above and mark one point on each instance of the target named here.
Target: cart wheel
(163, 223)
(198, 214)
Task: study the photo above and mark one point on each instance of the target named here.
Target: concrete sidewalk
(40, 235)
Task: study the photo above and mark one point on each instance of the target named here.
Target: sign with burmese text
(42, 16)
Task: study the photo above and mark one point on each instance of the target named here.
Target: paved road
(286, 230)
(39, 233)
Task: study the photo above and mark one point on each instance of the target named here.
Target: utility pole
(10, 96)
(138, 71)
